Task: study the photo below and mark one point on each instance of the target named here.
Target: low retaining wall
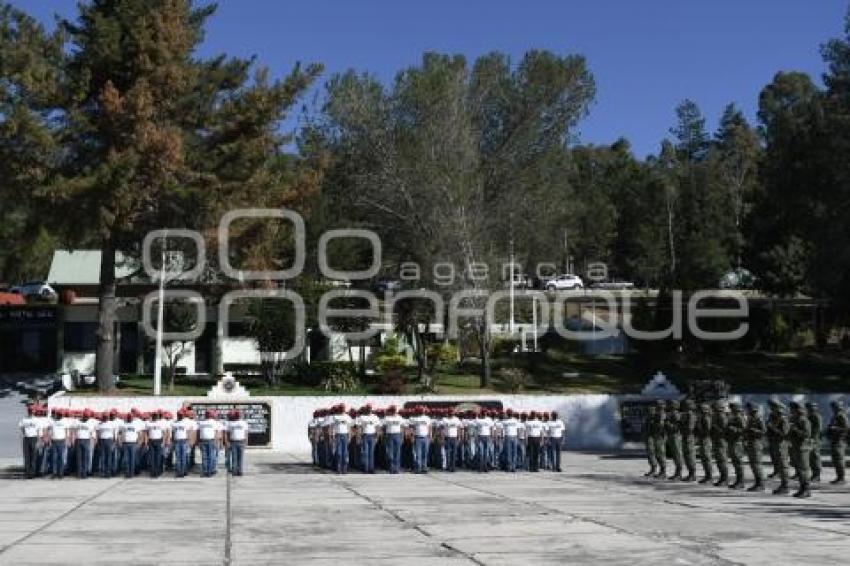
(593, 421)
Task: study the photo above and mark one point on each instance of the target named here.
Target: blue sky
(646, 55)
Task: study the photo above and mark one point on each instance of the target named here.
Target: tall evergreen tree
(146, 135)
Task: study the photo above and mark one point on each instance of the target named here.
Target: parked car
(384, 286)
(564, 282)
(36, 289)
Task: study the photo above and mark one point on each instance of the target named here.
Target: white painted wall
(593, 421)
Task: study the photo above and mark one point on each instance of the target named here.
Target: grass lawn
(560, 372)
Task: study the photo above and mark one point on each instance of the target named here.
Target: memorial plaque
(632, 416)
(257, 414)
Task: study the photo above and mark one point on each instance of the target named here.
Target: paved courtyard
(599, 511)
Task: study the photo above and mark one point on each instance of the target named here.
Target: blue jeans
(181, 460)
(155, 447)
(58, 457)
(510, 448)
(451, 453)
(236, 448)
(341, 453)
(83, 449)
(107, 457)
(208, 457)
(484, 448)
(394, 452)
(368, 453)
(129, 455)
(555, 454)
(420, 453)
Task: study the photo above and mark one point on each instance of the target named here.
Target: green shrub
(513, 379)
(392, 382)
(327, 375)
(504, 347)
(442, 355)
(389, 358)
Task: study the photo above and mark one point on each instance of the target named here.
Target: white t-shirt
(511, 427)
(520, 430)
(85, 429)
(450, 426)
(106, 430)
(535, 428)
(130, 431)
(368, 423)
(180, 429)
(421, 425)
(483, 426)
(556, 428)
(342, 423)
(207, 429)
(156, 430)
(59, 428)
(237, 430)
(393, 424)
(30, 427)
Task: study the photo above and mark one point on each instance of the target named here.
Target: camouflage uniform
(674, 438)
(800, 437)
(754, 435)
(777, 432)
(649, 439)
(837, 433)
(735, 437)
(816, 421)
(687, 428)
(659, 429)
(718, 440)
(703, 431)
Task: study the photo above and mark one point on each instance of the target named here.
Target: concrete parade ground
(600, 510)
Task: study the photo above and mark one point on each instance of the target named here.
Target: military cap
(837, 404)
(735, 406)
(811, 404)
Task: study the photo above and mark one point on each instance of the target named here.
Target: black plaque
(257, 414)
(632, 416)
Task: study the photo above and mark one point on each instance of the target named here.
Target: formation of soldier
(720, 439)
(84, 443)
(423, 438)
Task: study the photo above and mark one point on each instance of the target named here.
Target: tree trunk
(106, 319)
(484, 342)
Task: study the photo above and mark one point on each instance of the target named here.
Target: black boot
(706, 479)
(758, 486)
(838, 481)
(781, 490)
(803, 492)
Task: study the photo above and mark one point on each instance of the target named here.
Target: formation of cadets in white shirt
(420, 438)
(84, 442)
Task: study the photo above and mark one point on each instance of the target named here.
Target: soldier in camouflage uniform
(735, 437)
(649, 437)
(687, 428)
(800, 438)
(754, 436)
(703, 432)
(659, 429)
(777, 432)
(816, 422)
(718, 441)
(674, 438)
(837, 434)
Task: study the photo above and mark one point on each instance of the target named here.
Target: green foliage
(513, 379)
(319, 374)
(442, 355)
(389, 358)
(392, 382)
(504, 347)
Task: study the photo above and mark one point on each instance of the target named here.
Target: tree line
(111, 125)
